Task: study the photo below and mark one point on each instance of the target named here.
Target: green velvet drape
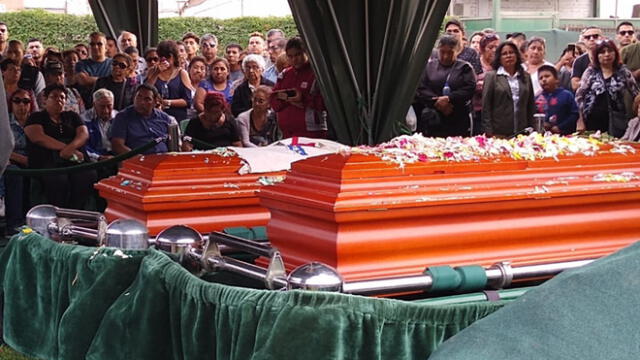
(368, 56)
(71, 302)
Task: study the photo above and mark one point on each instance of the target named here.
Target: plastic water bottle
(446, 90)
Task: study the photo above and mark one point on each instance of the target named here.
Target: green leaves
(64, 31)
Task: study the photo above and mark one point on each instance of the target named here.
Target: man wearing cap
(191, 41)
(53, 72)
(140, 123)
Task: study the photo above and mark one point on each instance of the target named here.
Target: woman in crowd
(507, 97)
(55, 140)
(565, 67)
(182, 55)
(296, 98)
(119, 82)
(600, 96)
(253, 67)
(197, 72)
(171, 80)
(258, 126)
(69, 60)
(215, 126)
(20, 107)
(488, 45)
(535, 50)
(218, 81)
(475, 41)
(151, 58)
(445, 91)
(11, 74)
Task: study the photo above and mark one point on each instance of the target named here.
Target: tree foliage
(64, 31)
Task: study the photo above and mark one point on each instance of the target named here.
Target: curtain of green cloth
(69, 302)
(137, 16)
(585, 313)
(368, 56)
(55, 295)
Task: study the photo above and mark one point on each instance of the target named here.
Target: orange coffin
(202, 190)
(370, 218)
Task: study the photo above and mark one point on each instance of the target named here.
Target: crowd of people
(103, 98)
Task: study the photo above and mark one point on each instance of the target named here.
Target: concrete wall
(483, 8)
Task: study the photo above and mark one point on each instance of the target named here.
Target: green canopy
(368, 57)
(137, 16)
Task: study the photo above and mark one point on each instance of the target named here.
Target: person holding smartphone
(296, 98)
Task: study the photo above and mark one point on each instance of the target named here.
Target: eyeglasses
(211, 44)
(627, 32)
(119, 64)
(592, 36)
(21, 100)
(152, 59)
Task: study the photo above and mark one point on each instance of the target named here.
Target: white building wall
(483, 8)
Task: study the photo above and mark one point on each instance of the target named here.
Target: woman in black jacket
(445, 91)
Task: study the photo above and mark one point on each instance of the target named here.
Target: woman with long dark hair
(171, 80)
(603, 86)
(507, 97)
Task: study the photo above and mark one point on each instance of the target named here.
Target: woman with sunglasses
(602, 90)
(119, 82)
(55, 140)
(21, 104)
(171, 80)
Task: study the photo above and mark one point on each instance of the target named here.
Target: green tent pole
(497, 16)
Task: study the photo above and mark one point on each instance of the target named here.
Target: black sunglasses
(589, 37)
(627, 32)
(119, 64)
(21, 100)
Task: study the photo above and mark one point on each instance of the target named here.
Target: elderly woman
(258, 126)
(20, 107)
(600, 96)
(218, 81)
(536, 51)
(119, 82)
(507, 97)
(445, 91)
(296, 97)
(253, 67)
(215, 126)
(171, 80)
(55, 139)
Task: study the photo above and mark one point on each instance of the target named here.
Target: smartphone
(290, 93)
(571, 47)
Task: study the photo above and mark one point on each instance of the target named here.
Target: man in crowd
(128, 39)
(455, 28)
(112, 46)
(138, 124)
(97, 65)
(558, 104)
(276, 47)
(232, 54)
(35, 50)
(53, 72)
(209, 48)
(4, 39)
(98, 120)
(625, 34)
(256, 43)
(191, 41)
(274, 34)
(590, 36)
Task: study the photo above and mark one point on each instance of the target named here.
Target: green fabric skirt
(73, 302)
